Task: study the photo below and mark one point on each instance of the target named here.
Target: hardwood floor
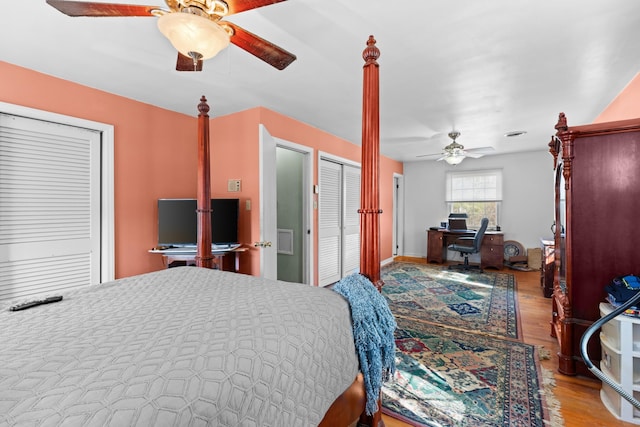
(579, 397)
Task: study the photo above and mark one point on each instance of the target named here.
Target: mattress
(183, 346)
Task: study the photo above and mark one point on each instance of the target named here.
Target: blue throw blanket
(373, 327)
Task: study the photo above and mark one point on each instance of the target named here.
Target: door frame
(268, 211)
(307, 205)
(107, 211)
(398, 215)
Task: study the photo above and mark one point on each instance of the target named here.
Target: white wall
(527, 207)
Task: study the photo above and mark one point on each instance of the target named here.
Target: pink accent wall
(234, 155)
(625, 106)
(156, 156)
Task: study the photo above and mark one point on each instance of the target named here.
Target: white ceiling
(484, 68)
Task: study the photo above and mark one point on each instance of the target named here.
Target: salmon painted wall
(156, 157)
(235, 151)
(155, 154)
(625, 106)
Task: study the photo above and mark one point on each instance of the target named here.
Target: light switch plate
(233, 185)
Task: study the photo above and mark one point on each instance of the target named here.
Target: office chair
(466, 249)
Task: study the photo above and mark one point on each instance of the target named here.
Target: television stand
(222, 260)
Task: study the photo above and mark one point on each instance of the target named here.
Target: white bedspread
(179, 347)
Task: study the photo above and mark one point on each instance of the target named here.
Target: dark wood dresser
(597, 226)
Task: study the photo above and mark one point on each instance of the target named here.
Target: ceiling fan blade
(237, 6)
(185, 63)
(260, 48)
(88, 8)
(431, 156)
(473, 155)
(483, 150)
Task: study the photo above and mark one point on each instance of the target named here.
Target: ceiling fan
(454, 153)
(194, 27)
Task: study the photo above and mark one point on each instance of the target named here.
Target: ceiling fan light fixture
(192, 34)
(454, 159)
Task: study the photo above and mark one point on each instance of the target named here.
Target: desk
(221, 260)
(491, 251)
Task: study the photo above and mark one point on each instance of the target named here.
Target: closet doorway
(285, 223)
(338, 218)
(398, 215)
(293, 170)
(56, 202)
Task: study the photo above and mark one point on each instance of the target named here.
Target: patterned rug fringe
(551, 402)
(543, 353)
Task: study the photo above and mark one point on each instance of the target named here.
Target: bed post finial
(203, 107)
(204, 258)
(371, 53)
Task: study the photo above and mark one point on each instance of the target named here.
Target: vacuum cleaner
(585, 340)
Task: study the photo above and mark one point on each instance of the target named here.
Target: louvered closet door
(49, 207)
(329, 222)
(351, 234)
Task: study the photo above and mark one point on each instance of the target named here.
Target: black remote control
(34, 303)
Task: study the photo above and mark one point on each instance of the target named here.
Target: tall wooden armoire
(597, 226)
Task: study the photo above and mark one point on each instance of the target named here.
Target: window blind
(474, 186)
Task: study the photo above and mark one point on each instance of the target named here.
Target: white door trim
(398, 215)
(107, 258)
(307, 203)
(337, 159)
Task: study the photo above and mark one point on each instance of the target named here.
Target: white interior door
(351, 220)
(50, 205)
(329, 222)
(338, 220)
(268, 206)
(398, 215)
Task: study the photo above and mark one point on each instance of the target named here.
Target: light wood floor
(579, 397)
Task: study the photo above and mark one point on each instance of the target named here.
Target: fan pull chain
(195, 57)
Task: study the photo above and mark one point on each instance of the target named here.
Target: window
(476, 193)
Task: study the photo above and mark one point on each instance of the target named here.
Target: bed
(169, 346)
(192, 346)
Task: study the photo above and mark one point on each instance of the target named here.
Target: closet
(338, 220)
(50, 207)
(597, 207)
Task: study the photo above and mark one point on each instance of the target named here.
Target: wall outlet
(233, 185)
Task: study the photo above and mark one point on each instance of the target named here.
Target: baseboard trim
(420, 260)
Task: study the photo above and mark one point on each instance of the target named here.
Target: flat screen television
(178, 222)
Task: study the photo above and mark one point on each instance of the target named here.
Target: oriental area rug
(472, 300)
(454, 370)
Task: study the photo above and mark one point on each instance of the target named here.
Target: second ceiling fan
(454, 153)
(194, 27)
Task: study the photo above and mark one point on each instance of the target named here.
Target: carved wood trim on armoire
(597, 226)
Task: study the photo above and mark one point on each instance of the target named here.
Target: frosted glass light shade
(192, 33)
(453, 160)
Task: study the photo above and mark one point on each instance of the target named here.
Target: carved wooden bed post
(370, 185)
(203, 254)
(370, 177)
